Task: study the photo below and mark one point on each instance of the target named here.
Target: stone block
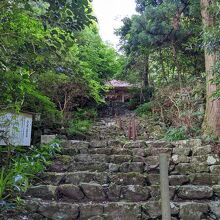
(42, 191)
(135, 193)
(152, 209)
(115, 143)
(76, 178)
(32, 205)
(118, 159)
(46, 139)
(93, 167)
(135, 144)
(209, 159)
(52, 178)
(69, 191)
(98, 144)
(139, 152)
(213, 160)
(204, 150)
(159, 144)
(193, 210)
(216, 189)
(180, 159)
(114, 192)
(58, 211)
(154, 179)
(93, 191)
(215, 208)
(98, 158)
(157, 151)
(200, 167)
(152, 160)
(132, 167)
(176, 180)
(122, 211)
(113, 167)
(182, 151)
(215, 169)
(121, 151)
(106, 151)
(129, 179)
(88, 211)
(204, 179)
(195, 192)
(184, 168)
(77, 144)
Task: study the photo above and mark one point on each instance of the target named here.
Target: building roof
(119, 84)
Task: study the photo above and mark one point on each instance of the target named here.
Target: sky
(109, 14)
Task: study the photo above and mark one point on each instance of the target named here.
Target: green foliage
(169, 33)
(79, 127)
(86, 113)
(52, 58)
(18, 171)
(82, 122)
(144, 109)
(5, 181)
(176, 134)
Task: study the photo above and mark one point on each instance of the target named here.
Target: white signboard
(15, 129)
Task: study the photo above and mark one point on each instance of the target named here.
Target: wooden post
(134, 129)
(120, 123)
(164, 187)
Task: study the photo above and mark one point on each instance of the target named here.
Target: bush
(140, 96)
(85, 113)
(144, 109)
(21, 167)
(176, 134)
(79, 127)
(82, 122)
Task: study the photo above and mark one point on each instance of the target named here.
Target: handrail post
(164, 187)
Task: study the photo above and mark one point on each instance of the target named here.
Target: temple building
(119, 91)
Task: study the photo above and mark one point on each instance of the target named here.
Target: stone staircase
(119, 180)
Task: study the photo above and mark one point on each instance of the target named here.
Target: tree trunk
(162, 66)
(176, 63)
(146, 72)
(212, 114)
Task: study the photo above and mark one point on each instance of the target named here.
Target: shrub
(23, 165)
(85, 113)
(176, 134)
(144, 109)
(79, 127)
(82, 121)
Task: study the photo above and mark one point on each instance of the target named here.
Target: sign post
(15, 129)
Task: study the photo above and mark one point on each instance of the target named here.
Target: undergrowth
(82, 121)
(176, 134)
(144, 109)
(19, 166)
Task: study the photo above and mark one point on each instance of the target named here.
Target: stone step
(120, 210)
(125, 167)
(116, 143)
(91, 192)
(103, 158)
(117, 150)
(113, 163)
(130, 178)
(85, 192)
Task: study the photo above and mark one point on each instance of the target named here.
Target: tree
(48, 40)
(212, 115)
